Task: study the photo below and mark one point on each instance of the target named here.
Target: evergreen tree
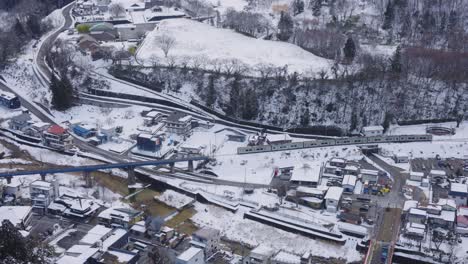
(316, 7)
(285, 26)
(305, 118)
(34, 25)
(19, 29)
(211, 93)
(389, 16)
(14, 248)
(395, 61)
(62, 93)
(452, 21)
(349, 50)
(354, 121)
(250, 104)
(298, 7)
(234, 97)
(387, 121)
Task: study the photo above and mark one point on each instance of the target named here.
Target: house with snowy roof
(179, 123)
(57, 137)
(119, 217)
(207, 239)
(192, 255)
(459, 193)
(259, 255)
(20, 122)
(370, 131)
(333, 198)
(19, 216)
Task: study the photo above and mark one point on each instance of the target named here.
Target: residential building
(401, 158)
(207, 239)
(283, 257)
(20, 122)
(88, 43)
(148, 142)
(416, 215)
(73, 206)
(152, 118)
(459, 193)
(84, 130)
(338, 162)
(437, 176)
(19, 216)
(416, 176)
(190, 149)
(119, 217)
(444, 219)
(447, 204)
(348, 183)
(103, 32)
(57, 137)
(13, 189)
(415, 230)
(333, 198)
(192, 255)
(179, 123)
(305, 177)
(259, 255)
(36, 129)
(42, 193)
(462, 221)
(370, 131)
(370, 176)
(351, 170)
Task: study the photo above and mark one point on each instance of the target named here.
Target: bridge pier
(190, 165)
(8, 179)
(131, 175)
(43, 176)
(88, 179)
(172, 167)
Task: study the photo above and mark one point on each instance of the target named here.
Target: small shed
(416, 176)
(348, 183)
(401, 158)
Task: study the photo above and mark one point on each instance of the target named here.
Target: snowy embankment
(208, 45)
(174, 199)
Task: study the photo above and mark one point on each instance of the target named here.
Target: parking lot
(454, 169)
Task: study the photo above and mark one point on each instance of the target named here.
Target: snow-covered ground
(174, 199)
(204, 42)
(234, 227)
(223, 5)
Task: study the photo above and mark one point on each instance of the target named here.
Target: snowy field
(198, 40)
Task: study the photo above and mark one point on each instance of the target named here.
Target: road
(389, 207)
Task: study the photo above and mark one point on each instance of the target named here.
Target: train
(9, 100)
(334, 142)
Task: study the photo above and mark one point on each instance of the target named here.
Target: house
(305, 177)
(78, 254)
(42, 193)
(20, 122)
(401, 158)
(233, 135)
(425, 183)
(73, 206)
(437, 176)
(192, 255)
(139, 228)
(445, 219)
(152, 118)
(283, 257)
(207, 239)
(84, 130)
(103, 36)
(415, 230)
(148, 142)
(107, 133)
(351, 170)
(259, 255)
(370, 176)
(36, 129)
(462, 220)
(416, 215)
(312, 202)
(416, 176)
(119, 217)
(338, 162)
(459, 193)
(447, 204)
(348, 183)
(13, 189)
(19, 216)
(190, 149)
(57, 137)
(333, 198)
(370, 131)
(179, 123)
(302, 191)
(275, 139)
(88, 43)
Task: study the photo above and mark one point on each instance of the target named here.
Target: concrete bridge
(129, 166)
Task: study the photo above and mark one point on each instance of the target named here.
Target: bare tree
(166, 43)
(116, 10)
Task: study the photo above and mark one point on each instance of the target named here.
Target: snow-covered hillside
(194, 39)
